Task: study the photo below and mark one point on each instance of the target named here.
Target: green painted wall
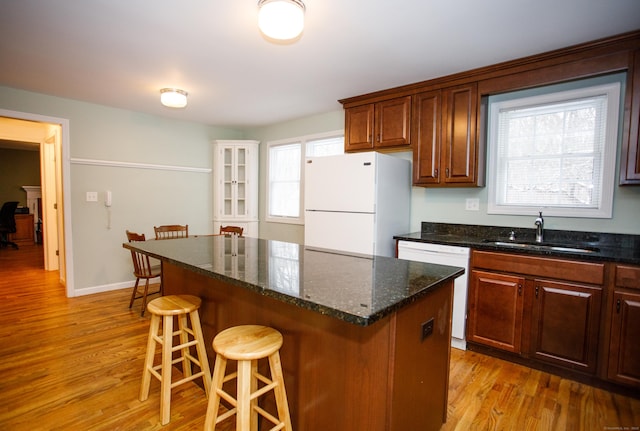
(18, 168)
(143, 198)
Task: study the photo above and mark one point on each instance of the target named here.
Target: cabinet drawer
(558, 268)
(628, 276)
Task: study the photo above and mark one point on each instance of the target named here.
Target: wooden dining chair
(171, 231)
(231, 230)
(142, 269)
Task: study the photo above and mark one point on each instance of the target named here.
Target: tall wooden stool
(163, 309)
(247, 344)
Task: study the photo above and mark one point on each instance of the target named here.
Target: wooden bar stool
(163, 309)
(247, 344)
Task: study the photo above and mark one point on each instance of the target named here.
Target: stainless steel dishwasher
(445, 255)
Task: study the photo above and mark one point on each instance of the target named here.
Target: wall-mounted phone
(107, 198)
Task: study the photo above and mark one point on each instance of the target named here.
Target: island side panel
(421, 369)
(336, 373)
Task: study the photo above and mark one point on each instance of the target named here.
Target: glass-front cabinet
(235, 187)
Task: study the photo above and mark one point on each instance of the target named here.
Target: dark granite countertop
(357, 289)
(601, 247)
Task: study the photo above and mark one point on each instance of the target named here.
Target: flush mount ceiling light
(281, 19)
(173, 97)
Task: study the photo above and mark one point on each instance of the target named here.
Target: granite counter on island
(366, 338)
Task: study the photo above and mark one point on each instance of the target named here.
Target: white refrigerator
(356, 202)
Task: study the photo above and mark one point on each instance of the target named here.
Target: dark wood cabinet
(445, 137)
(544, 309)
(624, 347)
(385, 124)
(459, 107)
(495, 310)
(566, 324)
(25, 229)
(630, 156)
(427, 125)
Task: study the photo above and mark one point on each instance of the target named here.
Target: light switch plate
(472, 204)
(92, 196)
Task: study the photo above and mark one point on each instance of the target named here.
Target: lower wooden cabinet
(624, 345)
(566, 324)
(496, 305)
(543, 309)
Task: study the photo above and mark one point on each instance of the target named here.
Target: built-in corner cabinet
(235, 185)
(445, 138)
(381, 125)
(630, 157)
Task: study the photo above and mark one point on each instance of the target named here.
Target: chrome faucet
(539, 228)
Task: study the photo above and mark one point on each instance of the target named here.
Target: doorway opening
(52, 136)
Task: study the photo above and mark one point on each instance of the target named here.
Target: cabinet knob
(435, 173)
(446, 172)
(618, 306)
(519, 289)
(537, 290)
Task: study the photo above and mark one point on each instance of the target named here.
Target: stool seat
(163, 310)
(247, 344)
(172, 305)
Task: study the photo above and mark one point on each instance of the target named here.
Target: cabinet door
(427, 120)
(460, 106)
(359, 127)
(495, 310)
(624, 353)
(393, 122)
(630, 157)
(566, 323)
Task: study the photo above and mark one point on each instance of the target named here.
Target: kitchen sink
(544, 246)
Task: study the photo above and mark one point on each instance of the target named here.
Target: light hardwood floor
(75, 364)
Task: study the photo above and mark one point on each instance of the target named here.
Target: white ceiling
(121, 52)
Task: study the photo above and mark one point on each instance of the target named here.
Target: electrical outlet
(92, 196)
(472, 204)
(427, 329)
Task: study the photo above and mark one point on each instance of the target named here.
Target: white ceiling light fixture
(281, 19)
(173, 97)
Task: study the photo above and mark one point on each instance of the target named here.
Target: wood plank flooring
(75, 364)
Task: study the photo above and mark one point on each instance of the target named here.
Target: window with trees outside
(285, 200)
(555, 151)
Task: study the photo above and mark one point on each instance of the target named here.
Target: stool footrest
(277, 422)
(187, 379)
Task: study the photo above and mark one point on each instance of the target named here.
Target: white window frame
(302, 140)
(604, 209)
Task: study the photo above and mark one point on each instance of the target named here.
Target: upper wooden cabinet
(444, 125)
(445, 137)
(378, 125)
(630, 157)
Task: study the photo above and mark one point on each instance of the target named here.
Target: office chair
(8, 223)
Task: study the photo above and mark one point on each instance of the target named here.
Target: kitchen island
(366, 339)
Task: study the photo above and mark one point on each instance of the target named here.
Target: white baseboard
(104, 288)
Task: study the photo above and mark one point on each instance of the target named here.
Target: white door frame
(65, 165)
